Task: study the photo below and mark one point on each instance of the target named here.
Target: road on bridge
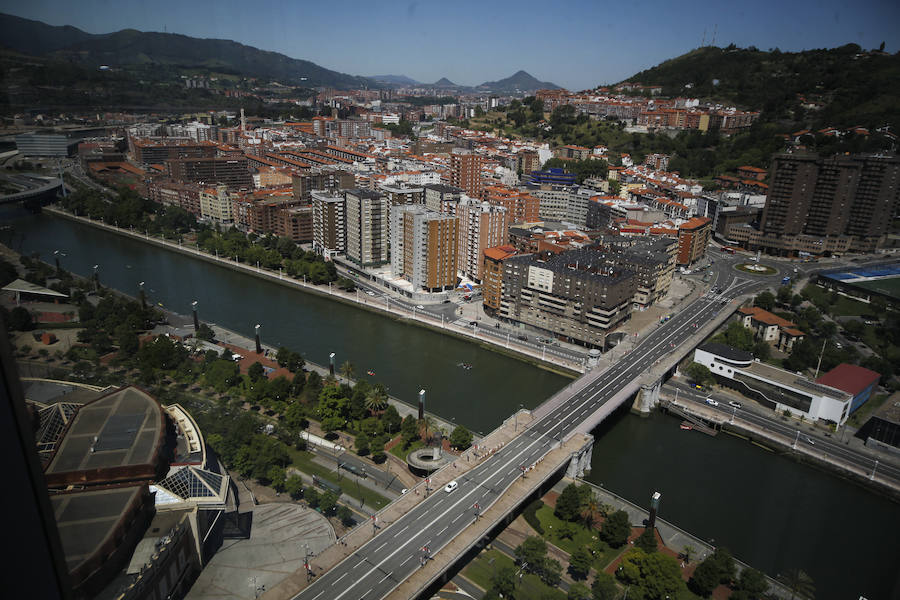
(404, 546)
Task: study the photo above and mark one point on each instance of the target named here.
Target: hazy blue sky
(575, 44)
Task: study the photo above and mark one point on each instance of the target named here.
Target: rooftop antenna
(703, 40)
(715, 30)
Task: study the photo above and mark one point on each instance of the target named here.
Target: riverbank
(775, 442)
(551, 363)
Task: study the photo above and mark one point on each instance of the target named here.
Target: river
(771, 512)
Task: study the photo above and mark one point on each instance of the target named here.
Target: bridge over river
(411, 552)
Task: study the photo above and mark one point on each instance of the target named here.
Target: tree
(647, 540)
(294, 486)
(361, 444)
(376, 399)
(604, 587)
(578, 591)
(347, 370)
(20, 319)
(390, 418)
(222, 374)
(569, 503)
(345, 515)
(503, 582)
(700, 374)
(752, 583)
(784, 295)
(312, 497)
(409, 429)
(653, 575)
(461, 438)
(276, 478)
(616, 529)
(705, 578)
(328, 502)
(798, 582)
(205, 332)
(532, 551)
(765, 300)
(580, 563)
(256, 372)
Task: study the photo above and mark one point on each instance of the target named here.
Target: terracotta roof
(849, 378)
(764, 316)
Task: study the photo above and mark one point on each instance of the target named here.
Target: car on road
(451, 486)
(712, 402)
(420, 307)
(697, 386)
(404, 490)
(370, 292)
(524, 338)
(734, 403)
(809, 440)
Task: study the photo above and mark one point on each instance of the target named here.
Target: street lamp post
(733, 412)
(796, 439)
(872, 476)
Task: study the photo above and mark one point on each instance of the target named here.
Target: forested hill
(839, 87)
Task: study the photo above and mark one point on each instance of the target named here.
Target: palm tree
(347, 370)
(799, 583)
(430, 426)
(376, 400)
(688, 551)
(589, 516)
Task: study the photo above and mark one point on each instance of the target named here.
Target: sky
(577, 44)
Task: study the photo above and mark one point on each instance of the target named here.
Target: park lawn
(481, 569)
(400, 453)
(889, 286)
(303, 461)
(551, 524)
(844, 307)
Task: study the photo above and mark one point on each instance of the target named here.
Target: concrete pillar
(258, 344)
(196, 318)
(648, 397)
(421, 404)
(331, 364)
(654, 506)
(581, 460)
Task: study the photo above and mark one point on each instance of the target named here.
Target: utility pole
(819, 364)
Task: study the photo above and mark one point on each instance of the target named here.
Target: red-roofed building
(859, 382)
(693, 237)
(770, 328)
(492, 280)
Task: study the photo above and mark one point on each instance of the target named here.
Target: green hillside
(852, 87)
(129, 49)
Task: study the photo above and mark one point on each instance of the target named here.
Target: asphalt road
(831, 448)
(397, 551)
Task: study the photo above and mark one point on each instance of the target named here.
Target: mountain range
(130, 48)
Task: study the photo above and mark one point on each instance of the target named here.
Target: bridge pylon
(648, 398)
(581, 459)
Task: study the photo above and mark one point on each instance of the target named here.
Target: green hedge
(530, 515)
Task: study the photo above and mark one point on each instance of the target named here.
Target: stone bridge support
(648, 397)
(581, 459)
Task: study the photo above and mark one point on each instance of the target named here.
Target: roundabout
(756, 269)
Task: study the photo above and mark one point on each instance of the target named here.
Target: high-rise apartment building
(441, 198)
(481, 226)
(576, 295)
(232, 172)
(693, 238)
(329, 222)
(368, 214)
(216, 205)
(465, 171)
(820, 205)
(521, 206)
(492, 282)
(424, 247)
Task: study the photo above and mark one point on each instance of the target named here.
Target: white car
(420, 307)
(712, 402)
(370, 292)
(451, 486)
(734, 403)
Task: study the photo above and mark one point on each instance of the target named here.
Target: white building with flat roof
(772, 387)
